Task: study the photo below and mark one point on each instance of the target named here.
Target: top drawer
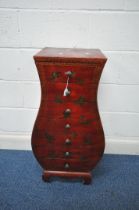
(80, 74)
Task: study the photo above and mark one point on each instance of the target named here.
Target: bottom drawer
(69, 165)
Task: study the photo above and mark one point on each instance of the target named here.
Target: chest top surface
(70, 55)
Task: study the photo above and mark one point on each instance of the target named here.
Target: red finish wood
(87, 74)
(55, 91)
(78, 157)
(72, 175)
(71, 55)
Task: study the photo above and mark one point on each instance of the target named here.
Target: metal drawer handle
(66, 166)
(69, 73)
(66, 90)
(67, 126)
(68, 141)
(67, 113)
(67, 154)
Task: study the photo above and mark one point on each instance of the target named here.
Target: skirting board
(113, 146)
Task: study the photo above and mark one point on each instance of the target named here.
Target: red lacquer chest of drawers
(68, 138)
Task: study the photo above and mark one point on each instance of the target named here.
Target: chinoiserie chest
(68, 138)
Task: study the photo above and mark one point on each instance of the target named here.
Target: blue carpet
(115, 185)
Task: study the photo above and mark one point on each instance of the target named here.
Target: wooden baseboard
(15, 142)
(113, 146)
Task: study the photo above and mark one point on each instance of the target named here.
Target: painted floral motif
(73, 135)
(51, 155)
(84, 121)
(88, 139)
(58, 99)
(80, 100)
(49, 137)
(82, 158)
(79, 81)
(55, 75)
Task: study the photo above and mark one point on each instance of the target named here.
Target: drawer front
(80, 74)
(69, 165)
(78, 94)
(68, 111)
(78, 152)
(54, 152)
(65, 126)
(73, 139)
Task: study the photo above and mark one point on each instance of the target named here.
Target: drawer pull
(68, 141)
(66, 166)
(66, 91)
(67, 113)
(67, 126)
(67, 154)
(69, 73)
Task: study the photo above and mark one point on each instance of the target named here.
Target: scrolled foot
(87, 179)
(45, 177)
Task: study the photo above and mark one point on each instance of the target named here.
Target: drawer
(80, 73)
(69, 165)
(74, 139)
(67, 124)
(59, 127)
(69, 111)
(78, 94)
(78, 140)
(82, 152)
(56, 151)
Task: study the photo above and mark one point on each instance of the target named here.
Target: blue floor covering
(115, 185)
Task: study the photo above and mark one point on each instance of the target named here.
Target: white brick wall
(112, 26)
